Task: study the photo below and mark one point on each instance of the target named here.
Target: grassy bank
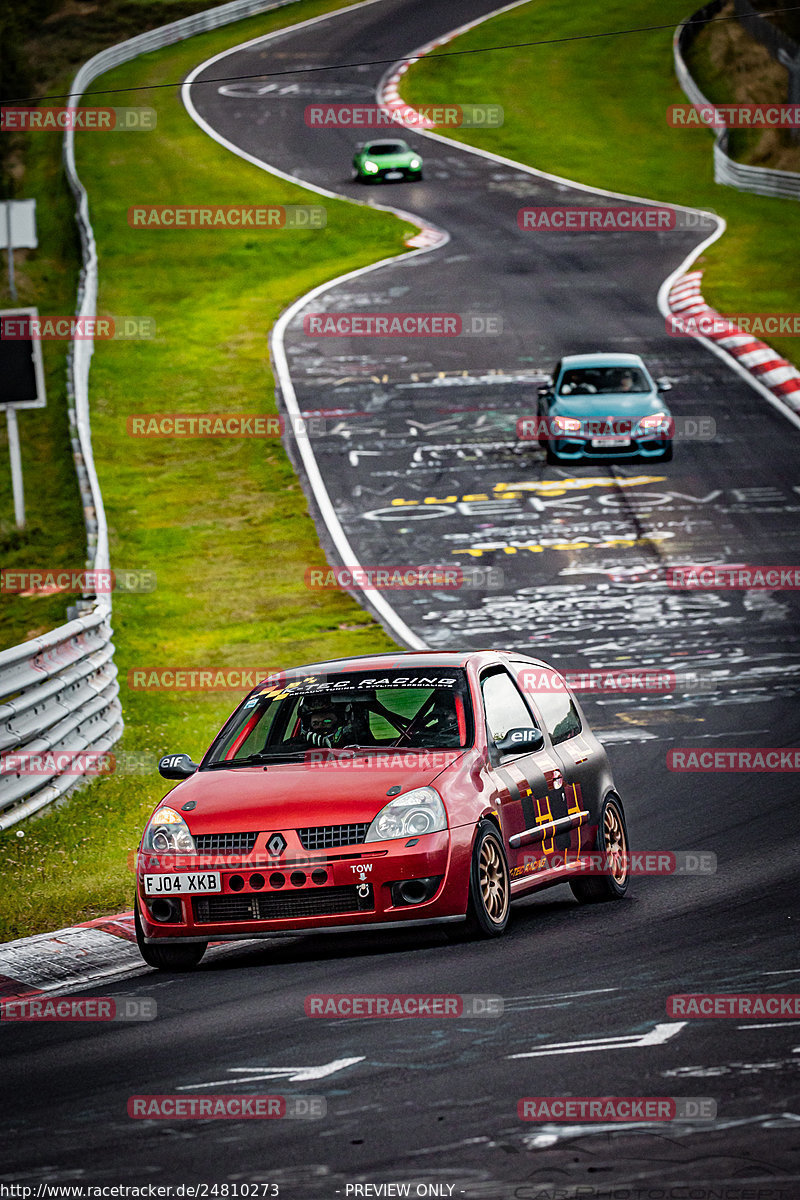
(223, 524)
(594, 110)
(42, 48)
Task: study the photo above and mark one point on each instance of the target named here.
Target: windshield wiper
(256, 760)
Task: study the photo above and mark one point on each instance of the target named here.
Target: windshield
(587, 381)
(387, 148)
(411, 709)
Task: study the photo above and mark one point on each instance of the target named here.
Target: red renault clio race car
(416, 787)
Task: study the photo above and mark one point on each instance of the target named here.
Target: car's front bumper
(575, 449)
(360, 889)
(390, 174)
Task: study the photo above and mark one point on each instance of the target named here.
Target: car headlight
(417, 812)
(657, 423)
(565, 425)
(168, 833)
(370, 167)
(415, 162)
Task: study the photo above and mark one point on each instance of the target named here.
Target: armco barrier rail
(763, 181)
(60, 691)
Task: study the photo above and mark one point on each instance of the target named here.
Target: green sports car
(389, 160)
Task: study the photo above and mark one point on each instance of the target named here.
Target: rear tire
(489, 902)
(667, 455)
(167, 958)
(612, 839)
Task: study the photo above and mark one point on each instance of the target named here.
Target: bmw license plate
(184, 884)
(611, 441)
(394, 175)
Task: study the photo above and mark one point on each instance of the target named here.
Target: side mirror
(176, 766)
(663, 385)
(546, 390)
(517, 741)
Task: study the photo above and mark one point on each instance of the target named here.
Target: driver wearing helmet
(325, 721)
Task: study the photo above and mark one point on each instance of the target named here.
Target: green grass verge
(55, 44)
(594, 110)
(223, 524)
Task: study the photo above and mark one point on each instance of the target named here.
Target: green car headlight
(370, 167)
(415, 162)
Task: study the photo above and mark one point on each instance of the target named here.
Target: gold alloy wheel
(614, 844)
(493, 880)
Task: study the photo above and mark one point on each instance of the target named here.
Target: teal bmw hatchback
(604, 406)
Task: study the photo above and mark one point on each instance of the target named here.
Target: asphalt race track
(572, 569)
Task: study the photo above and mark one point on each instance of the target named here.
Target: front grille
(310, 902)
(326, 837)
(225, 843)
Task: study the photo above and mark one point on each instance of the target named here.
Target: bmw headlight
(370, 167)
(565, 425)
(657, 423)
(417, 812)
(168, 833)
(414, 164)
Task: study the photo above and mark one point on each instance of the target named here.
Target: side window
(559, 714)
(505, 708)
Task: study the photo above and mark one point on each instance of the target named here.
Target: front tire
(489, 902)
(612, 840)
(167, 958)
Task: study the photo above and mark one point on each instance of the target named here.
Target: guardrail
(59, 692)
(762, 181)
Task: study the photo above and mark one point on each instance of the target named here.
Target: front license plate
(183, 884)
(394, 175)
(611, 441)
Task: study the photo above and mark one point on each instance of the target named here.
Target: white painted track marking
(656, 1037)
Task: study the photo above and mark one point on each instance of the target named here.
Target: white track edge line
(377, 602)
(663, 291)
